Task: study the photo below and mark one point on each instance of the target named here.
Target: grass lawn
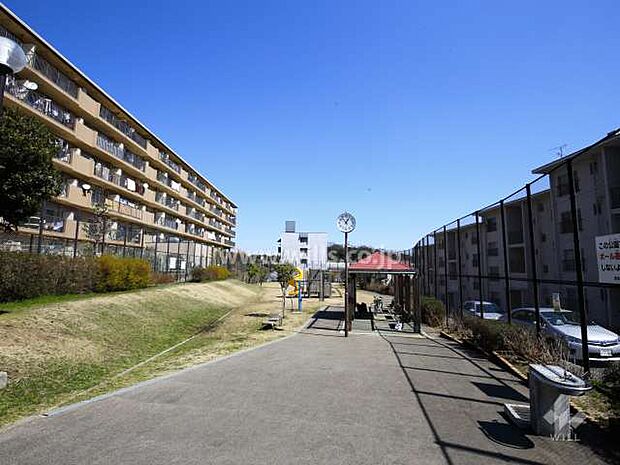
(56, 348)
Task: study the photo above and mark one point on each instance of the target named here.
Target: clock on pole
(346, 224)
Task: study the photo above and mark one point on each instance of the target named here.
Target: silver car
(603, 344)
(490, 310)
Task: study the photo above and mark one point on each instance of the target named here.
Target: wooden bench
(273, 321)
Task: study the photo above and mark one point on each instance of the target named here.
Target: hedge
(120, 274)
(433, 311)
(25, 276)
(210, 273)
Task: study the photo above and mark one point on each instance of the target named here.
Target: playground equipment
(294, 283)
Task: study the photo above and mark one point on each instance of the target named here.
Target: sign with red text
(608, 258)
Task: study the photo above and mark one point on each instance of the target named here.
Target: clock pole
(346, 284)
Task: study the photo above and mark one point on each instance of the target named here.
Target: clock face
(346, 222)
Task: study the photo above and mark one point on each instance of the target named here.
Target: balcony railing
(64, 151)
(122, 125)
(166, 159)
(199, 200)
(169, 202)
(197, 182)
(53, 74)
(229, 242)
(168, 222)
(125, 209)
(40, 102)
(120, 152)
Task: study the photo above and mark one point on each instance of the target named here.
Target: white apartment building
(597, 194)
(307, 250)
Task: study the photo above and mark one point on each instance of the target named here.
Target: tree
(97, 229)
(257, 272)
(285, 272)
(27, 176)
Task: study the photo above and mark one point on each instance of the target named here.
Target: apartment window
(543, 237)
(475, 261)
(491, 224)
(545, 268)
(566, 222)
(597, 208)
(568, 260)
(493, 273)
(562, 183)
(540, 207)
(593, 168)
(516, 259)
(492, 249)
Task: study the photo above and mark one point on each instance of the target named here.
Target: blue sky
(407, 114)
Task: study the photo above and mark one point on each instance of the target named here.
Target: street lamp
(12, 60)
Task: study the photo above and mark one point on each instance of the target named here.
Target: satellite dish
(86, 187)
(12, 57)
(30, 85)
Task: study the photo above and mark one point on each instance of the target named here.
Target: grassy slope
(56, 350)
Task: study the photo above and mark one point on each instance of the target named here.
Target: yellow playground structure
(299, 276)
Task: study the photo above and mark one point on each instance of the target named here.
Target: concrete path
(313, 398)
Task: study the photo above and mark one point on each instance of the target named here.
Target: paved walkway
(313, 398)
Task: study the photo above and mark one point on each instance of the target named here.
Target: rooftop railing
(40, 102)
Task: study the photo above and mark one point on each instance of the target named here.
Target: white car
(603, 344)
(490, 310)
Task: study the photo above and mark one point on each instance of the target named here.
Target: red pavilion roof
(380, 263)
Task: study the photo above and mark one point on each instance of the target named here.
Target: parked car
(603, 344)
(490, 310)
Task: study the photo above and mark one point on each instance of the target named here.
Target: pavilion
(406, 294)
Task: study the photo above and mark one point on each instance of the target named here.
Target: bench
(273, 321)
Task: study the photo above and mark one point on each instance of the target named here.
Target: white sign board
(608, 258)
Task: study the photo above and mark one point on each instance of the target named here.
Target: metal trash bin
(549, 411)
(550, 388)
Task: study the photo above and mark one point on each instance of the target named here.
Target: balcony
(229, 242)
(124, 209)
(199, 200)
(197, 182)
(120, 152)
(53, 74)
(122, 125)
(169, 202)
(171, 223)
(107, 174)
(65, 151)
(164, 179)
(40, 102)
(164, 157)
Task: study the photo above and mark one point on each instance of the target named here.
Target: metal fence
(167, 256)
(534, 249)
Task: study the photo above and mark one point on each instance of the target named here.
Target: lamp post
(12, 60)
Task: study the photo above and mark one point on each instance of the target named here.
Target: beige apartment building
(156, 201)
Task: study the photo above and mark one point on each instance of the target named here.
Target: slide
(293, 282)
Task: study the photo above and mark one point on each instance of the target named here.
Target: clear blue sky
(405, 113)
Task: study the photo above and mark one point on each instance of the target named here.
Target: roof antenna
(559, 150)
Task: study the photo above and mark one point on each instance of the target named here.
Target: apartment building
(307, 250)
(107, 157)
(597, 194)
(596, 171)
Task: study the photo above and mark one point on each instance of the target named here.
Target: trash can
(550, 389)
